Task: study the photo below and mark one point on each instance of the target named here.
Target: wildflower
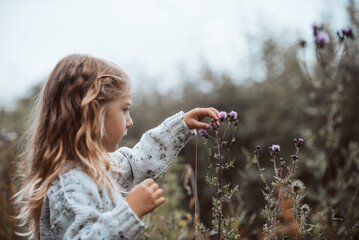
(348, 32)
(321, 39)
(232, 116)
(222, 115)
(275, 148)
(236, 122)
(202, 132)
(316, 28)
(213, 125)
(298, 186)
(300, 142)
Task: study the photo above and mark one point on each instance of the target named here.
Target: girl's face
(117, 120)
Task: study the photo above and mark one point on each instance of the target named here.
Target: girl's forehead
(126, 98)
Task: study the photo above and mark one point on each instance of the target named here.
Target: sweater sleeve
(79, 210)
(153, 154)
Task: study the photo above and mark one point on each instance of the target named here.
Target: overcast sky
(150, 39)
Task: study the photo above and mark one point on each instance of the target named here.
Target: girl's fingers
(194, 117)
(213, 114)
(158, 193)
(214, 110)
(159, 201)
(154, 187)
(199, 125)
(148, 182)
(209, 112)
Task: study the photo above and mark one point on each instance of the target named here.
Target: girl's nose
(129, 122)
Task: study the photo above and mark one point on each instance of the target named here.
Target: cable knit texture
(76, 207)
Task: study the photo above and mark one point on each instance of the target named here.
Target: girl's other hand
(145, 197)
(193, 118)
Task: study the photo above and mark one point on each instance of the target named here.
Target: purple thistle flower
(222, 115)
(321, 39)
(236, 122)
(348, 32)
(213, 125)
(316, 28)
(300, 142)
(202, 132)
(275, 148)
(233, 115)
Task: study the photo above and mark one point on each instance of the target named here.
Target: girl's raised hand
(193, 118)
(145, 197)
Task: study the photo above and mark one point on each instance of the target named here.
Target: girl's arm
(152, 155)
(79, 209)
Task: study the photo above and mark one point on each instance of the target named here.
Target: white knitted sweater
(76, 207)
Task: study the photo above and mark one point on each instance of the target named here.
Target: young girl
(76, 184)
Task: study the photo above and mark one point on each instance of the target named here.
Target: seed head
(305, 208)
(298, 186)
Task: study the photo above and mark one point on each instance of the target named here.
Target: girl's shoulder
(76, 179)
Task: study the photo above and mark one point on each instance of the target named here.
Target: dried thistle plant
(284, 212)
(218, 140)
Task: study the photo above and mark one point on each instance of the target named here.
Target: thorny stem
(307, 72)
(260, 172)
(219, 145)
(196, 204)
(212, 137)
(292, 169)
(326, 108)
(230, 145)
(275, 165)
(279, 197)
(341, 59)
(225, 132)
(208, 154)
